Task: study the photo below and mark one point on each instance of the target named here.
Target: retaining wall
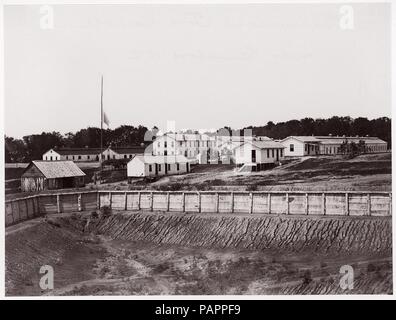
(353, 203)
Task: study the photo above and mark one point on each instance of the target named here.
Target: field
(109, 256)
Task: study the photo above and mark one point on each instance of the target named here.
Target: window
(165, 153)
(177, 167)
(150, 168)
(267, 153)
(73, 157)
(281, 153)
(130, 156)
(169, 167)
(87, 157)
(79, 157)
(51, 158)
(291, 147)
(165, 144)
(159, 167)
(306, 147)
(67, 157)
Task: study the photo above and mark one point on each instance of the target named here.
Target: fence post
(125, 201)
(287, 203)
(36, 204)
(110, 199)
(58, 203)
(167, 201)
(199, 201)
(232, 202)
(139, 197)
(346, 204)
(251, 202)
(306, 204)
(79, 202)
(183, 202)
(269, 203)
(323, 203)
(98, 200)
(217, 202)
(368, 204)
(151, 201)
(390, 203)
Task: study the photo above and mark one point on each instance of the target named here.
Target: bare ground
(88, 261)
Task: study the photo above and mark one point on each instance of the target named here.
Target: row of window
(160, 167)
(88, 157)
(273, 153)
(188, 144)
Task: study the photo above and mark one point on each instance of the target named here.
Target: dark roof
(57, 169)
(133, 149)
(96, 151)
(77, 151)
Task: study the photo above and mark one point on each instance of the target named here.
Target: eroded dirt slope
(150, 253)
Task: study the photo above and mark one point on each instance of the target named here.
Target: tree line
(32, 147)
(336, 126)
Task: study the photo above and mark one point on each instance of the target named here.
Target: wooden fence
(352, 203)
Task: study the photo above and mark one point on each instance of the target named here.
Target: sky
(202, 66)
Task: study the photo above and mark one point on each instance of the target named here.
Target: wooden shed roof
(57, 169)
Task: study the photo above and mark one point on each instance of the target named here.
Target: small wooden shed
(47, 175)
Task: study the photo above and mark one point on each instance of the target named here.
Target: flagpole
(101, 130)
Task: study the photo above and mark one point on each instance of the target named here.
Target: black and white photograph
(204, 149)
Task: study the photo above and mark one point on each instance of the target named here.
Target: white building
(299, 146)
(332, 145)
(153, 166)
(189, 145)
(117, 153)
(92, 154)
(204, 148)
(74, 154)
(258, 155)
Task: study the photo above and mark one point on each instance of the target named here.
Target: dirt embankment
(323, 235)
(150, 253)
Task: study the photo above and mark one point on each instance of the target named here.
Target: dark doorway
(253, 155)
(68, 182)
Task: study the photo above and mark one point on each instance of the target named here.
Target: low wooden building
(46, 175)
(154, 166)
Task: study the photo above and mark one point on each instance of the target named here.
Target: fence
(353, 203)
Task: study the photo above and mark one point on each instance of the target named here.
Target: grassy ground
(371, 172)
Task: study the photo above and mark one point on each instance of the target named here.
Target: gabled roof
(337, 140)
(264, 144)
(57, 169)
(161, 159)
(76, 151)
(303, 138)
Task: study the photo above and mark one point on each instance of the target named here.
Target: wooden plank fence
(332, 203)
